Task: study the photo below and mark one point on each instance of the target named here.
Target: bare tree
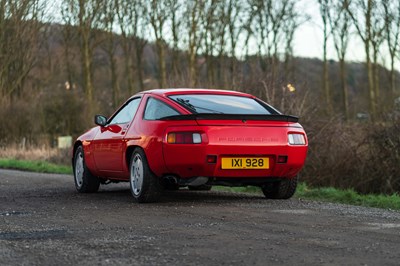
(70, 39)
(378, 37)
(235, 23)
(176, 22)
(324, 6)
(279, 12)
(221, 23)
(360, 12)
(125, 21)
(294, 19)
(392, 28)
(220, 29)
(110, 46)
(158, 18)
(85, 15)
(339, 21)
(132, 20)
(210, 17)
(259, 28)
(267, 28)
(20, 29)
(193, 13)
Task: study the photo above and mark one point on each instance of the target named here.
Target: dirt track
(43, 221)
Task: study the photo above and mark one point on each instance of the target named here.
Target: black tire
(283, 189)
(144, 185)
(85, 182)
(204, 187)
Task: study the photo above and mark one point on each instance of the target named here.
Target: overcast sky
(309, 39)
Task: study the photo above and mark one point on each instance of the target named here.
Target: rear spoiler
(272, 117)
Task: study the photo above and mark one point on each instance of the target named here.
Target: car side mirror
(100, 120)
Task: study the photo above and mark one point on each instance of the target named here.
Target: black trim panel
(273, 117)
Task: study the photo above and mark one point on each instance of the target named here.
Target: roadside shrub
(64, 113)
(384, 156)
(19, 123)
(362, 156)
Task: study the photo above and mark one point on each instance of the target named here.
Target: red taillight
(184, 138)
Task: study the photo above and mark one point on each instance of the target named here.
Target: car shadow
(122, 193)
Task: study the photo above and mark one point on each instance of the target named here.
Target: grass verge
(349, 196)
(329, 194)
(35, 166)
(334, 195)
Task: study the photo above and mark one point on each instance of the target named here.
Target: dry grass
(53, 155)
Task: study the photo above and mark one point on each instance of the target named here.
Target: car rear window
(222, 104)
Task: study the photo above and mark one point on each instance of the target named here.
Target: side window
(156, 109)
(127, 112)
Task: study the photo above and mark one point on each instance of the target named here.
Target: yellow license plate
(245, 163)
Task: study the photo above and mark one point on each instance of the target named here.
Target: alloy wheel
(79, 169)
(137, 175)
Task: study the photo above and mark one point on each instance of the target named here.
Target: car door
(108, 144)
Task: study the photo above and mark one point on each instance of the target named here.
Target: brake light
(184, 138)
(296, 139)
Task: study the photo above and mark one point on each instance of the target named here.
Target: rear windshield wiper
(187, 104)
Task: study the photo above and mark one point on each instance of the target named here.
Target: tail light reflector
(211, 158)
(282, 159)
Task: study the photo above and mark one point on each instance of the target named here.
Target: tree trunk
(127, 64)
(371, 90)
(376, 74)
(114, 81)
(392, 78)
(325, 74)
(192, 68)
(345, 93)
(162, 76)
(139, 73)
(87, 71)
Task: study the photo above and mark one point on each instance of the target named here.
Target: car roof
(179, 91)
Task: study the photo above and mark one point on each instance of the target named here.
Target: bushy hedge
(362, 156)
(40, 119)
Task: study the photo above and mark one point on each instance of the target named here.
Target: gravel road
(44, 221)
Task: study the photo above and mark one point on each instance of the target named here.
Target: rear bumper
(188, 161)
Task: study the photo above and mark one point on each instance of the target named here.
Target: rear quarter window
(156, 109)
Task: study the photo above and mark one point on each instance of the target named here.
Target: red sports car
(171, 138)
